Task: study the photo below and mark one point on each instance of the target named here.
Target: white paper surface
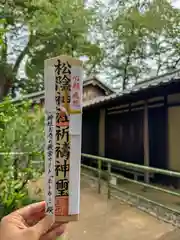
(50, 109)
(74, 175)
(50, 167)
(75, 124)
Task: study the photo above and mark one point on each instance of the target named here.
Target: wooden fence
(168, 214)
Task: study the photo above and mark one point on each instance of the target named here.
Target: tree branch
(128, 59)
(125, 72)
(25, 180)
(159, 65)
(176, 63)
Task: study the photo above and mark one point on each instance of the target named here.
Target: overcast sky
(176, 3)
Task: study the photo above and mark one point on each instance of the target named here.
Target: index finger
(31, 209)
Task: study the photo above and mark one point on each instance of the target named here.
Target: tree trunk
(5, 85)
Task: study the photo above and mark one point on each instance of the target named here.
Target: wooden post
(102, 133)
(101, 148)
(109, 181)
(167, 130)
(99, 175)
(146, 141)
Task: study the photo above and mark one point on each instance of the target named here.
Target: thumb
(43, 226)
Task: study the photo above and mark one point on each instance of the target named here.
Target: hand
(30, 223)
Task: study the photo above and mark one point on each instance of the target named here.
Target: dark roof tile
(144, 85)
(141, 86)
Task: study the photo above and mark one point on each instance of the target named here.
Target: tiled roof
(104, 85)
(141, 86)
(40, 95)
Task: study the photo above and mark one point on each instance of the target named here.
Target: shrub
(21, 149)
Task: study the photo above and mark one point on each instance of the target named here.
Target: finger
(56, 232)
(43, 226)
(56, 226)
(34, 219)
(31, 209)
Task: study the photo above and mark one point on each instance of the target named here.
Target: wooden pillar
(166, 130)
(146, 141)
(101, 151)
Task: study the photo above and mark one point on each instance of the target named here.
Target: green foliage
(2, 31)
(65, 33)
(36, 30)
(127, 40)
(142, 39)
(21, 132)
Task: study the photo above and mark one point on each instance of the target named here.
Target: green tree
(141, 37)
(36, 30)
(21, 138)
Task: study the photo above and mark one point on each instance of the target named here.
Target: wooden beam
(146, 140)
